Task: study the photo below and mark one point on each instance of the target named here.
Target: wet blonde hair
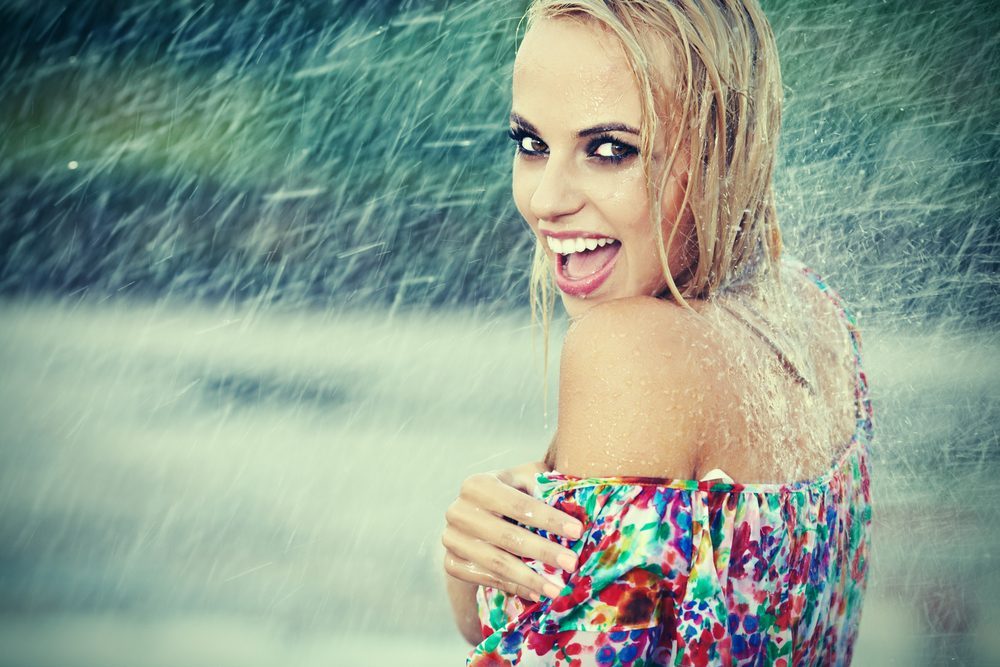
(707, 70)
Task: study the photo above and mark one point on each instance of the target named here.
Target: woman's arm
(637, 389)
(463, 606)
(483, 547)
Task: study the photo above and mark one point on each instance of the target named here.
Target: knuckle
(499, 565)
(470, 484)
(557, 523)
(452, 568)
(512, 540)
(520, 510)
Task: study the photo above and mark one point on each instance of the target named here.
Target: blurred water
(238, 488)
(265, 309)
(168, 469)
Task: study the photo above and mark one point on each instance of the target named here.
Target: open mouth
(583, 263)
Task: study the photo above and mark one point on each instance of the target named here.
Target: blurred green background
(336, 152)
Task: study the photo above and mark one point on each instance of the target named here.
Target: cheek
(522, 187)
(624, 189)
(627, 208)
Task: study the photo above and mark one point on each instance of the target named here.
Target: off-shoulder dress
(687, 572)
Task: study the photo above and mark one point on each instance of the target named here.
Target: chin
(575, 306)
(578, 305)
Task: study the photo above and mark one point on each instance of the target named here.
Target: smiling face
(578, 178)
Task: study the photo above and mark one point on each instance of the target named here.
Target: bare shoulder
(639, 383)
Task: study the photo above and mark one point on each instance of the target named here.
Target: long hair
(707, 70)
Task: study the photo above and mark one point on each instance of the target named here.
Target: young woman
(705, 499)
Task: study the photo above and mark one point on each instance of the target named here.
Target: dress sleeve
(634, 544)
(633, 559)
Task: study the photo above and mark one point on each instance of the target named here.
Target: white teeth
(579, 244)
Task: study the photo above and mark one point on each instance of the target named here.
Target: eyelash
(518, 135)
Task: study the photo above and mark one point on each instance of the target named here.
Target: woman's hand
(482, 547)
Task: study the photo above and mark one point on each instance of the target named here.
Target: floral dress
(685, 572)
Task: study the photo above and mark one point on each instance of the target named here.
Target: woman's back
(790, 367)
(677, 571)
(762, 384)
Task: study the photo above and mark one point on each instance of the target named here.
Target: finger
(486, 562)
(468, 571)
(507, 536)
(522, 477)
(490, 493)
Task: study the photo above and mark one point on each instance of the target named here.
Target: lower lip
(586, 286)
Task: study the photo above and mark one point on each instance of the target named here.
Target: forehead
(570, 73)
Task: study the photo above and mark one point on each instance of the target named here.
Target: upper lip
(570, 234)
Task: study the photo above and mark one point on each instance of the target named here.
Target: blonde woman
(705, 499)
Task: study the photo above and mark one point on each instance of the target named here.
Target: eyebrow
(596, 129)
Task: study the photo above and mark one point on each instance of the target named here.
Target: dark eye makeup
(620, 151)
(518, 135)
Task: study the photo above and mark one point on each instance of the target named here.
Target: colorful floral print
(685, 572)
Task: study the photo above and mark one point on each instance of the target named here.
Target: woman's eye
(609, 150)
(526, 143)
(612, 150)
(531, 145)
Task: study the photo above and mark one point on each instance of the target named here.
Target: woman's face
(577, 176)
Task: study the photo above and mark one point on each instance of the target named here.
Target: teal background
(350, 153)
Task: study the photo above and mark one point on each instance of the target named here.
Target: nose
(558, 193)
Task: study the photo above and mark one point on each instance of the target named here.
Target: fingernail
(535, 596)
(566, 562)
(573, 529)
(551, 590)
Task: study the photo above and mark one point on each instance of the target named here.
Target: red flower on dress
(541, 644)
(491, 659)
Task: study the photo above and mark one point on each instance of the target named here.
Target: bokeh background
(263, 307)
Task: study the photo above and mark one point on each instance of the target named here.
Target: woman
(646, 135)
